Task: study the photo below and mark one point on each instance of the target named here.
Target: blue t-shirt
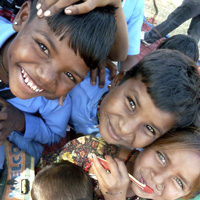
(85, 99)
(134, 14)
(48, 130)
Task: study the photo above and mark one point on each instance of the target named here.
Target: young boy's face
(39, 63)
(170, 172)
(129, 117)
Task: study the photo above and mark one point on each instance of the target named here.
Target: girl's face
(170, 172)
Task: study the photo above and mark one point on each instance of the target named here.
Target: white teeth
(26, 80)
(29, 83)
(34, 87)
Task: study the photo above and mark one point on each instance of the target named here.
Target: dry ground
(165, 7)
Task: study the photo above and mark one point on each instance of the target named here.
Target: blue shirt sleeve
(134, 14)
(34, 149)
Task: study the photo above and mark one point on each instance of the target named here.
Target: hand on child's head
(48, 8)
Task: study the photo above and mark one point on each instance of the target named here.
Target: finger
(43, 5)
(82, 8)
(102, 75)
(53, 9)
(93, 76)
(113, 69)
(114, 169)
(122, 168)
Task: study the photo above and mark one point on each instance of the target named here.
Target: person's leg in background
(188, 9)
(194, 29)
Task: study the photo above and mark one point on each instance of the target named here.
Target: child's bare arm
(113, 185)
(10, 119)
(119, 49)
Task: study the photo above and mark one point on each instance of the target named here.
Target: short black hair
(183, 43)
(173, 83)
(91, 35)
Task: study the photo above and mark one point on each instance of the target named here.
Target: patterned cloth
(77, 150)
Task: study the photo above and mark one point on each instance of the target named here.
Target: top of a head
(172, 82)
(63, 180)
(91, 35)
(183, 43)
(182, 138)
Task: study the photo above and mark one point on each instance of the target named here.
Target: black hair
(172, 81)
(91, 35)
(63, 180)
(183, 43)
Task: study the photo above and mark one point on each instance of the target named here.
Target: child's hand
(102, 72)
(10, 119)
(50, 7)
(113, 185)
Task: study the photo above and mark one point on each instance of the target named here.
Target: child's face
(129, 117)
(170, 172)
(39, 63)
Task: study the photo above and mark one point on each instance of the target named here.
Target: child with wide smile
(42, 60)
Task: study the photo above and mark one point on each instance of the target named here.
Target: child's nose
(129, 126)
(158, 179)
(47, 74)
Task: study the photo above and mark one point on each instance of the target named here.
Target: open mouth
(29, 82)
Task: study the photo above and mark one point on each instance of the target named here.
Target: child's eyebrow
(79, 75)
(137, 99)
(155, 127)
(48, 39)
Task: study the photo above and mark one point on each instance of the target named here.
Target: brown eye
(150, 129)
(70, 76)
(44, 48)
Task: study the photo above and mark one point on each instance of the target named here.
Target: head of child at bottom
(63, 180)
(158, 94)
(170, 166)
(58, 51)
(183, 43)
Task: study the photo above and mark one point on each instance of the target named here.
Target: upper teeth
(29, 82)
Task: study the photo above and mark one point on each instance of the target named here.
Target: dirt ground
(165, 7)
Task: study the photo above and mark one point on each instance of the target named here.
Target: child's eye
(150, 129)
(44, 48)
(179, 182)
(132, 103)
(162, 158)
(70, 76)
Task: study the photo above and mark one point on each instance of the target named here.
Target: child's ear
(22, 16)
(117, 80)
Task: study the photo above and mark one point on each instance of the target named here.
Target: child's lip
(29, 82)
